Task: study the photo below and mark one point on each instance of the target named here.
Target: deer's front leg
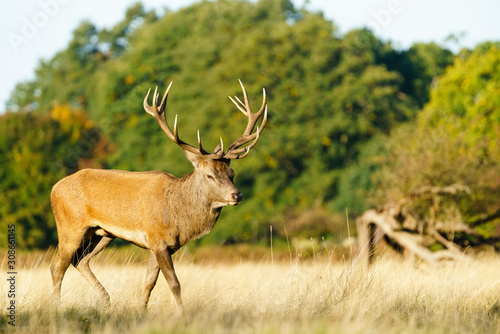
(164, 260)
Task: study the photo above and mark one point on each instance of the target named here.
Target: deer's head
(212, 170)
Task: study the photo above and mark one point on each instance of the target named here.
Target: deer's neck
(192, 209)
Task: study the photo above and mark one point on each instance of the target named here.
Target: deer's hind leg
(152, 273)
(68, 245)
(81, 260)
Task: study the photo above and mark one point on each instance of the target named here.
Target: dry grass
(287, 297)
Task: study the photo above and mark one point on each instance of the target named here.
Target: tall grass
(285, 297)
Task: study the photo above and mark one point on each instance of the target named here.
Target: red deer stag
(153, 210)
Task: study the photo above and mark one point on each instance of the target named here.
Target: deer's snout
(237, 197)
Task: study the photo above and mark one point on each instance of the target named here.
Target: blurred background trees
(36, 151)
(352, 120)
(455, 139)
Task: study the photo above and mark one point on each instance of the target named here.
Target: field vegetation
(287, 296)
(354, 124)
(353, 121)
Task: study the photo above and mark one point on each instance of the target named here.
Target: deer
(153, 210)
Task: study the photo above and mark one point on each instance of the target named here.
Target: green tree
(332, 99)
(420, 65)
(35, 152)
(454, 141)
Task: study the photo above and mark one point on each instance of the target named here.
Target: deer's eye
(210, 177)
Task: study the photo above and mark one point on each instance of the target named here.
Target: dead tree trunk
(373, 226)
(408, 233)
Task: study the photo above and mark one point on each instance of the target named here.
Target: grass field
(298, 296)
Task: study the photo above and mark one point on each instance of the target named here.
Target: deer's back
(109, 196)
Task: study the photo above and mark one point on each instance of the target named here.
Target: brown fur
(152, 210)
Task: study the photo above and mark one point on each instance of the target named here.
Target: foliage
(454, 140)
(293, 296)
(35, 152)
(420, 65)
(332, 99)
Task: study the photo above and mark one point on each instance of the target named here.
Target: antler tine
(147, 107)
(221, 152)
(245, 97)
(199, 141)
(156, 112)
(155, 98)
(163, 103)
(249, 147)
(242, 109)
(253, 117)
(236, 146)
(264, 103)
(175, 129)
(235, 150)
(242, 104)
(152, 110)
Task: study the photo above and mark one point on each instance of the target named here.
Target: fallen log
(410, 234)
(373, 222)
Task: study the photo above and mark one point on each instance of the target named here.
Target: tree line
(353, 121)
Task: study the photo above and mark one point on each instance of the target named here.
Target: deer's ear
(196, 159)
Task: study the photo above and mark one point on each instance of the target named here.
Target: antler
(236, 151)
(156, 112)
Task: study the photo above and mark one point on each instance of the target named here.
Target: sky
(31, 30)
